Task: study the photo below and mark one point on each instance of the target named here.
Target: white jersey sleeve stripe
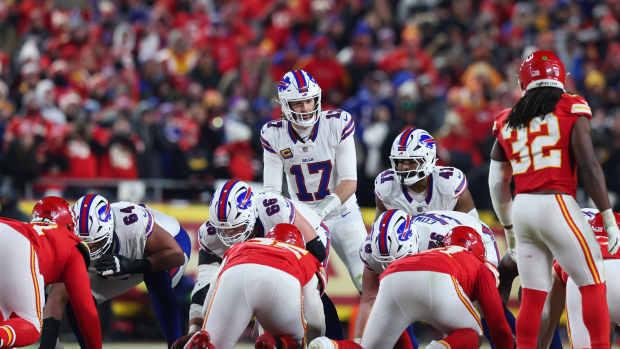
(348, 131)
(266, 145)
(461, 188)
(291, 217)
(149, 224)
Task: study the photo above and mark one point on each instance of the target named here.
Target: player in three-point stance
(540, 143)
(34, 254)
(129, 243)
(285, 272)
(236, 214)
(446, 280)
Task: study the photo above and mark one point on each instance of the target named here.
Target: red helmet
(596, 222)
(53, 209)
(542, 69)
(286, 233)
(465, 237)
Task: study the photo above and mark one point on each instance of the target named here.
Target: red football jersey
(61, 261)
(540, 154)
(476, 280)
(276, 254)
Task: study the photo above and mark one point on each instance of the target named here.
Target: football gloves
(117, 265)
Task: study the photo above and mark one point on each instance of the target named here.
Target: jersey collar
(295, 137)
(429, 191)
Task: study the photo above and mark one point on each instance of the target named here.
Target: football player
(316, 151)
(430, 228)
(285, 272)
(540, 143)
(43, 251)
(564, 290)
(129, 243)
(236, 214)
(446, 280)
(415, 184)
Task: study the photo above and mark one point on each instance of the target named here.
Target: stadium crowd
(180, 89)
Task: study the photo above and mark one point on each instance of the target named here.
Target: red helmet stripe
(221, 210)
(88, 200)
(404, 136)
(383, 228)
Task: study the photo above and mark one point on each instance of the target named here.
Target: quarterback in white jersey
(237, 214)
(131, 243)
(415, 184)
(316, 151)
(431, 228)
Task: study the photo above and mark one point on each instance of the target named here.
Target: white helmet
(94, 223)
(298, 85)
(393, 237)
(416, 145)
(232, 212)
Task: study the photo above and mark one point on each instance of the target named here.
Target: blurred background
(159, 100)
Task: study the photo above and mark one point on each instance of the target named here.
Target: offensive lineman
(236, 214)
(316, 151)
(447, 280)
(540, 143)
(415, 184)
(431, 228)
(129, 243)
(38, 253)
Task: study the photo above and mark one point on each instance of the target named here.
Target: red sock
(404, 342)
(465, 338)
(596, 314)
(528, 320)
(17, 332)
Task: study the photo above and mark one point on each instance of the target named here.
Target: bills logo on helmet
(244, 200)
(284, 83)
(404, 231)
(104, 213)
(427, 140)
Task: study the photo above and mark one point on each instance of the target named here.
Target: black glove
(115, 265)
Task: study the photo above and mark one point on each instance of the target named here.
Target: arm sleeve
(346, 160)
(500, 173)
(272, 172)
(77, 283)
(491, 304)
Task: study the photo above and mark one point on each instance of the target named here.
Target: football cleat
(269, 341)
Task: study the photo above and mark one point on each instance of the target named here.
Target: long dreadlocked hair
(536, 102)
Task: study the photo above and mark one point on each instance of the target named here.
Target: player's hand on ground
(200, 340)
(612, 239)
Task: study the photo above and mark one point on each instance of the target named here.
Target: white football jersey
(271, 210)
(133, 224)
(431, 228)
(310, 167)
(445, 186)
